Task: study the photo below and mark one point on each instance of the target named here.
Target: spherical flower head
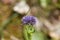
(29, 20)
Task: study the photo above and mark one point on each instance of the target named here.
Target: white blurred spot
(21, 7)
(13, 37)
(2, 39)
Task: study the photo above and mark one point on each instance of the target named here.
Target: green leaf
(38, 36)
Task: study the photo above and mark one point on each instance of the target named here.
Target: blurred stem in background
(4, 24)
(43, 3)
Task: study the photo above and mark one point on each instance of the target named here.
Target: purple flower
(29, 20)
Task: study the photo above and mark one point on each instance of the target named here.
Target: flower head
(29, 20)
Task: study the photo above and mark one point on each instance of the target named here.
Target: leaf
(38, 36)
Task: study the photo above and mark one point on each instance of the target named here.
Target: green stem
(25, 33)
(28, 31)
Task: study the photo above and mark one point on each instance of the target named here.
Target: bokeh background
(10, 21)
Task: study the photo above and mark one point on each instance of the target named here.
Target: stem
(28, 31)
(25, 33)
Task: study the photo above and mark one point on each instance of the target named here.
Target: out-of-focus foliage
(14, 27)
